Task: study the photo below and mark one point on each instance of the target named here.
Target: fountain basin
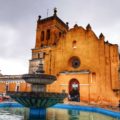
(38, 99)
(43, 79)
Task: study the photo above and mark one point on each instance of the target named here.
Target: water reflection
(37, 114)
(49, 114)
(74, 114)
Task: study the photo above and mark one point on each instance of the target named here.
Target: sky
(18, 20)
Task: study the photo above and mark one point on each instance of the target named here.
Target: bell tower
(48, 33)
(49, 30)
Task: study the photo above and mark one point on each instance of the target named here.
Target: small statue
(55, 11)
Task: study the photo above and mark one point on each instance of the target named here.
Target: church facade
(86, 67)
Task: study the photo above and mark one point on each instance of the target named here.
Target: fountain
(38, 99)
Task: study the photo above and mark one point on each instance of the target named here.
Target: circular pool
(15, 111)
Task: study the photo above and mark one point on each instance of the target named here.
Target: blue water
(56, 113)
(52, 114)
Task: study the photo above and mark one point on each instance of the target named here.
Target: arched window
(41, 45)
(74, 44)
(59, 34)
(42, 36)
(48, 34)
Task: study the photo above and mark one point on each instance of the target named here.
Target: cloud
(13, 66)
(13, 59)
(8, 37)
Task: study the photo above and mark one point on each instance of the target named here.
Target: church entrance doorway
(74, 87)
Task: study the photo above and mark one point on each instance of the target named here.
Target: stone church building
(86, 66)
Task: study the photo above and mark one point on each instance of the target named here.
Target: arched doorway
(74, 87)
